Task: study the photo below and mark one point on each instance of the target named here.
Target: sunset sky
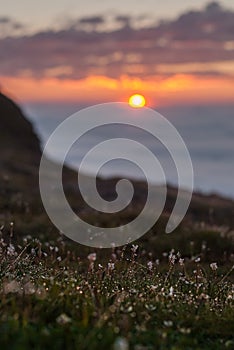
(101, 51)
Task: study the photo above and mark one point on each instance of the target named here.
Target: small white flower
(153, 287)
(172, 258)
(33, 252)
(203, 296)
(214, 266)
(92, 257)
(63, 319)
(134, 248)
(121, 344)
(111, 266)
(203, 246)
(150, 265)
(181, 262)
(171, 291)
(11, 250)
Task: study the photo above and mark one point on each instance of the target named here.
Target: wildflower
(185, 330)
(33, 252)
(172, 258)
(197, 260)
(203, 245)
(111, 266)
(11, 229)
(181, 262)
(171, 291)
(11, 250)
(134, 248)
(214, 266)
(153, 287)
(150, 265)
(203, 296)
(63, 319)
(121, 344)
(3, 244)
(92, 257)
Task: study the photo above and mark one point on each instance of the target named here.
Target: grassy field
(58, 295)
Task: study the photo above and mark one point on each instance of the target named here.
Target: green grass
(55, 297)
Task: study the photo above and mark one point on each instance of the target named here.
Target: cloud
(92, 20)
(4, 20)
(124, 20)
(9, 26)
(200, 41)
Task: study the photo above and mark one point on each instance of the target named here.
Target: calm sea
(207, 131)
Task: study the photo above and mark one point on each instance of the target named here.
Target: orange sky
(168, 62)
(178, 89)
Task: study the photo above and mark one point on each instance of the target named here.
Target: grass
(55, 295)
(58, 295)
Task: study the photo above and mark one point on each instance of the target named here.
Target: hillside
(20, 149)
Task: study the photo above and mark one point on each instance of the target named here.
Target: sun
(137, 101)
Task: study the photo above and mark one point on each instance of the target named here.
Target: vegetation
(57, 295)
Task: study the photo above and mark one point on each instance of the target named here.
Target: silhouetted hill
(16, 130)
(19, 147)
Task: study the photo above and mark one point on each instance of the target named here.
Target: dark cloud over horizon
(80, 49)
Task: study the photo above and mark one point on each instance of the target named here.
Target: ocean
(208, 132)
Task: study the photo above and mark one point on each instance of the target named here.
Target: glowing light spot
(137, 101)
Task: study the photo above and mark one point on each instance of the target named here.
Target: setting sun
(137, 101)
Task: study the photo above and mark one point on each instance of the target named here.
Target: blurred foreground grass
(58, 295)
